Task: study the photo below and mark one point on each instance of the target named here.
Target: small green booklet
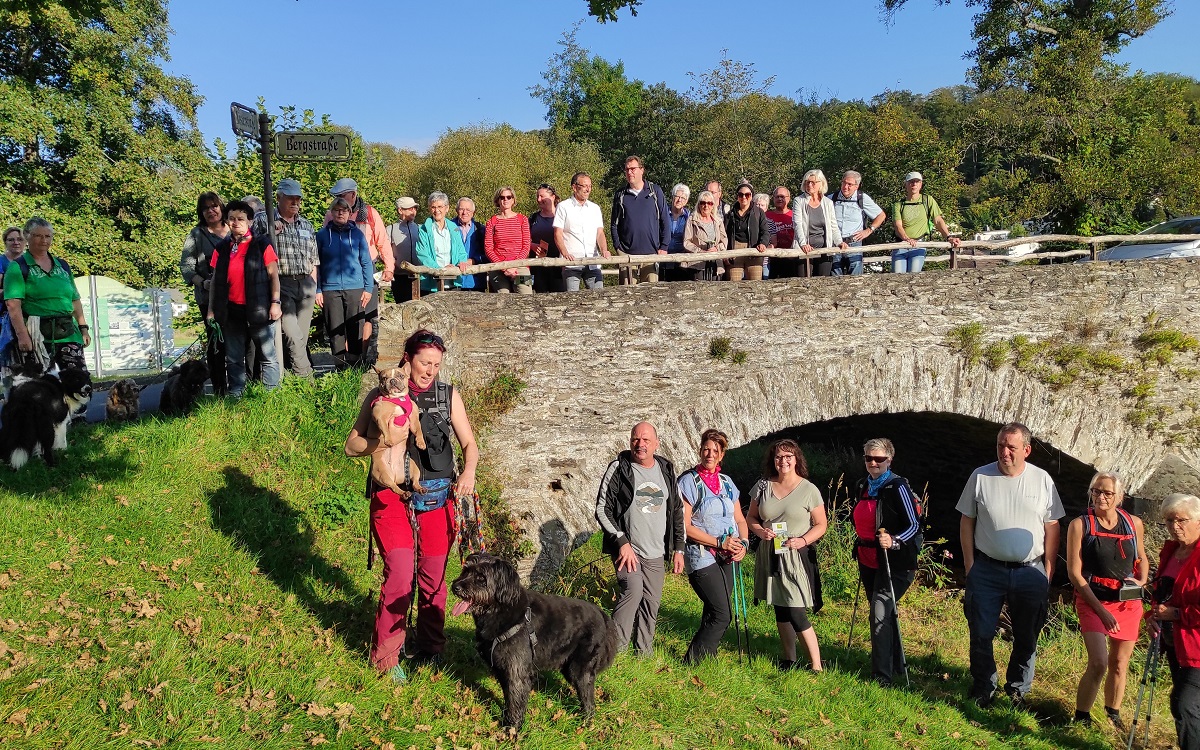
(781, 535)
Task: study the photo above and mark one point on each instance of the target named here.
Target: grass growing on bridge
(202, 582)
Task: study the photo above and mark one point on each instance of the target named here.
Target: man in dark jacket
(640, 513)
(640, 222)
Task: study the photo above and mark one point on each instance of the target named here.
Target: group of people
(42, 316)
(1010, 509)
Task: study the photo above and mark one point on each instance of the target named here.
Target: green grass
(202, 582)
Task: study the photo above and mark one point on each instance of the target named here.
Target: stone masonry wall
(597, 362)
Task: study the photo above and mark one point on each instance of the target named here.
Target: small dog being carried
(395, 416)
(519, 633)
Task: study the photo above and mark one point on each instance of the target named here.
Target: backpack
(621, 203)
(930, 227)
(435, 423)
(1125, 531)
(24, 265)
(837, 198)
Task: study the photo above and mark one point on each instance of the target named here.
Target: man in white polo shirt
(579, 233)
(1009, 533)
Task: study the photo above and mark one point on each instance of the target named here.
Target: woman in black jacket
(887, 521)
(747, 226)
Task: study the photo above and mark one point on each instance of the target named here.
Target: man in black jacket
(640, 513)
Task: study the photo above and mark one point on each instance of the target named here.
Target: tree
(95, 136)
(606, 10)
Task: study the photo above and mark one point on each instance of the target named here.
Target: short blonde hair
(817, 175)
(879, 444)
(1117, 480)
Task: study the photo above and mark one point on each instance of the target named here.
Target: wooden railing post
(416, 286)
(953, 257)
(1094, 249)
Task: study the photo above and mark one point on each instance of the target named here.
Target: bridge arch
(816, 349)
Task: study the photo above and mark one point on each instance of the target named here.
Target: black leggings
(797, 617)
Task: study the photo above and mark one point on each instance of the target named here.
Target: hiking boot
(423, 658)
(1082, 718)
(397, 675)
(1114, 716)
(985, 700)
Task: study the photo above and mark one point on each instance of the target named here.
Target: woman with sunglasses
(887, 521)
(1105, 551)
(746, 226)
(704, 233)
(393, 518)
(506, 237)
(786, 511)
(1176, 611)
(542, 242)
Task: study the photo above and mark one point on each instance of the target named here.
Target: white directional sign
(245, 120)
(295, 146)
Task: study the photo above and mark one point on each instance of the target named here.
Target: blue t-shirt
(677, 227)
(712, 514)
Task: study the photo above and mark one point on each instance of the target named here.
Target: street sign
(296, 146)
(245, 120)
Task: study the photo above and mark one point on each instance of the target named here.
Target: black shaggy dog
(181, 390)
(122, 404)
(37, 412)
(520, 632)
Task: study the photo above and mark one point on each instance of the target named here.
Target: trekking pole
(853, 613)
(1149, 677)
(737, 609)
(887, 566)
(745, 607)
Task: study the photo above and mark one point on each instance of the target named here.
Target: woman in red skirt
(1105, 552)
(428, 518)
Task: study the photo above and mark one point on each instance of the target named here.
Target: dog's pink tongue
(460, 607)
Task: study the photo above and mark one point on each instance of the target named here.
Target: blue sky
(403, 72)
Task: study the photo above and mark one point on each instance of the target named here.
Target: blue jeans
(591, 277)
(989, 585)
(848, 264)
(911, 260)
(237, 331)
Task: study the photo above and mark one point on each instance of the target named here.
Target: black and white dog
(185, 385)
(519, 633)
(38, 410)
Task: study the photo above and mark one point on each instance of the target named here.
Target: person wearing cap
(403, 236)
(370, 223)
(915, 217)
(344, 280)
(296, 242)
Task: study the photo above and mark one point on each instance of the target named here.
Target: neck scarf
(412, 387)
(360, 210)
(711, 479)
(873, 485)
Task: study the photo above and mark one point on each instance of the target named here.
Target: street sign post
(245, 121)
(308, 146)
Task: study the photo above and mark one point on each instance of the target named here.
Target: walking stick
(737, 628)
(1149, 676)
(887, 566)
(745, 607)
(854, 613)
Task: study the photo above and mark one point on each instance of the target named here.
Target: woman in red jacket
(507, 238)
(1177, 612)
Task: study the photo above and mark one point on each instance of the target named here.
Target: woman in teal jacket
(439, 245)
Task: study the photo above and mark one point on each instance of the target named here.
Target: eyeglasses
(507, 198)
(1176, 521)
(877, 459)
(785, 457)
(1105, 494)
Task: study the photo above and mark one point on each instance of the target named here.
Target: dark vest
(258, 282)
(437, 460)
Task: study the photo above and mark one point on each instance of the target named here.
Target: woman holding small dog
(393, 517)
(786, 510)
(716, 539)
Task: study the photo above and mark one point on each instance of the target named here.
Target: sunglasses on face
(507, 198)
(876, 459)
(706, 203)
(745, 195)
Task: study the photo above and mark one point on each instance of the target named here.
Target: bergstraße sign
(309, 146)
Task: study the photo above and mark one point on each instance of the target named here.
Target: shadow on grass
(87, 461)
(262, 523)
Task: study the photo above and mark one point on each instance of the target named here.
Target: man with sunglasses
(1009, 533)
(640, 222)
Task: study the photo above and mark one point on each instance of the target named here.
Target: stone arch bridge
(817, 349)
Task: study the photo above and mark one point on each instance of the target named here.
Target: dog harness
(513, 631)
(405, 404)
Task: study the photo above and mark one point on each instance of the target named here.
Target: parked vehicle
(1134, 250)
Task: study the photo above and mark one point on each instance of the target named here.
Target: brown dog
(395, 416)
(122, 401)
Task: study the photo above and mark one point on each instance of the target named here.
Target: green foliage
(720, 347)
(498, 395)
(967, 340)
(95, 137)
(738, 356)
(1160, 344)
(995, 355)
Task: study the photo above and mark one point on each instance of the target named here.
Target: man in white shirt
(579, 233)
(1009, 533)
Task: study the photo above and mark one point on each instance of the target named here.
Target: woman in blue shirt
(680, 195)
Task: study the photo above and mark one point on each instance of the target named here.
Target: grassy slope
(200, 582)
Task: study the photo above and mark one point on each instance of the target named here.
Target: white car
(1134, 250)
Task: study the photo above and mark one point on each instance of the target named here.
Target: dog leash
(513, 631)
(469, 525)
(216, 329)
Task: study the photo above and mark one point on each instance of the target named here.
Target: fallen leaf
(109, 561)
(343, 710)
(199, 585)
(154, 692)
(5, 580)
(35, 684)
(103, 706)
(127, 702)
(123, 500)
(318, 740)
(124, 730)
(147, 610)
(317, 710)
(18, 718)
(697, 681)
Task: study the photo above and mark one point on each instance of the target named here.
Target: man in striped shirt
(296, 246)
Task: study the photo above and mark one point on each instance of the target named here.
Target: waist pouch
(57, 327)
(438, 491)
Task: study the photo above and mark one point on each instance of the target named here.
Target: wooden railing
(871, 254)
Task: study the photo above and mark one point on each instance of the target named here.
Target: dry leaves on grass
(18, 718)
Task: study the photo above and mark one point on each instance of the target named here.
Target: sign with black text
(297, 146)
(245, 120)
